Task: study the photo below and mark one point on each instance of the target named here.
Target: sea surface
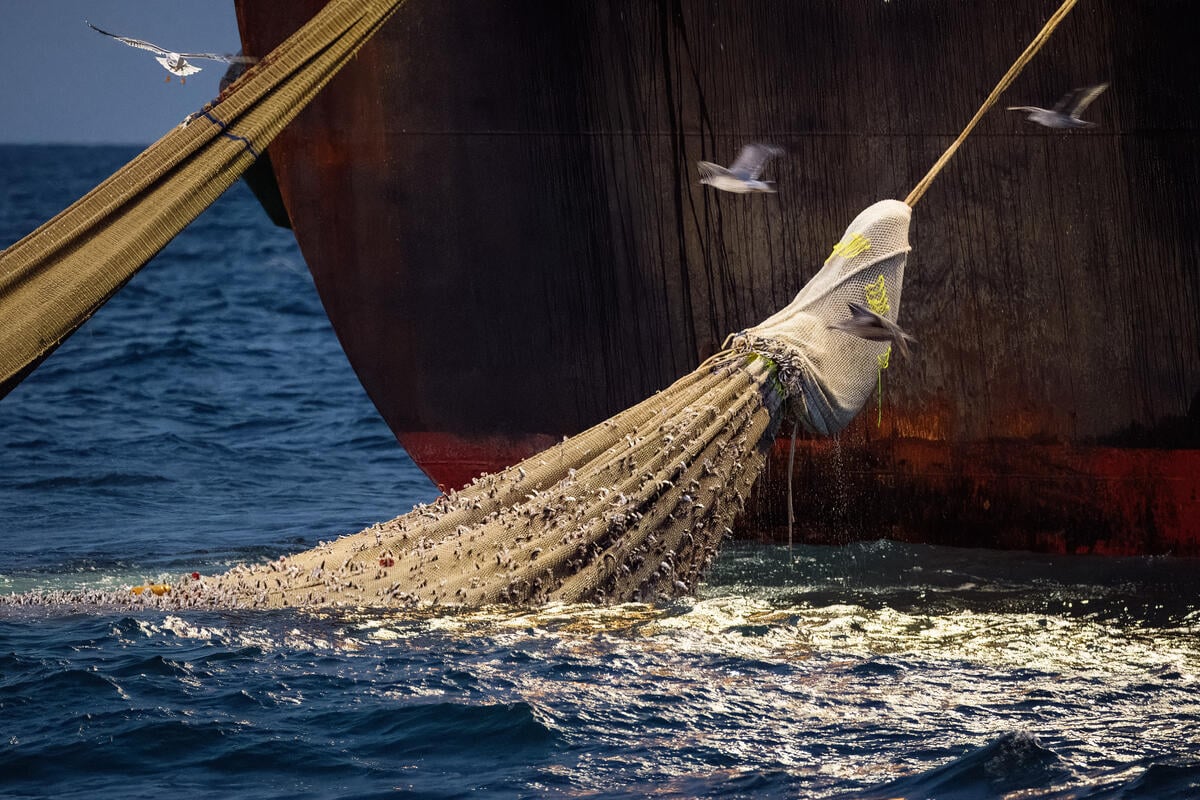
(206, 416)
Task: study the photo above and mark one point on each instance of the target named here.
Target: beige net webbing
(632, 509)
(55, 278)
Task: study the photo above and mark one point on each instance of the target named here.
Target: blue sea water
(206, 416)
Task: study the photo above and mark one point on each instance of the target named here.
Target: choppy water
(206, 416)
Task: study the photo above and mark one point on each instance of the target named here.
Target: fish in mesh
(633, 509)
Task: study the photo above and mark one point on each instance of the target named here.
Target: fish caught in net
(634, 508)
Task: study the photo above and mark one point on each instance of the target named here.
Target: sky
(65, 83)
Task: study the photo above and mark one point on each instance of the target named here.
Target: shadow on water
(1018, 765)
(1013, 762)
(1147, 590)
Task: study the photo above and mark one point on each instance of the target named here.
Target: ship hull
(501, 212)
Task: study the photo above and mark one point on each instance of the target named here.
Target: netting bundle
(634, 508)
(830, 374)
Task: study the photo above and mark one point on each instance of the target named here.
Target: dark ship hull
(499, 206)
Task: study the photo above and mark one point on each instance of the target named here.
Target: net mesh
(634, 508)
(830, 374)
(631, 509)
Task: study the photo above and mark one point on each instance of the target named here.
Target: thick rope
(1004, 83)
(55, 278)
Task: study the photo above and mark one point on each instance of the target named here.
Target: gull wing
(138, 43)
(866, 324)
(1064, 102)
(709, 170)
(1084, 97)
(860, 312)
(228, 58)
(750, 161)
(1074, 102)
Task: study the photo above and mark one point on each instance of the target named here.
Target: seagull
(176, 63)
(1066, 111)
(742, 177)
(866, 324)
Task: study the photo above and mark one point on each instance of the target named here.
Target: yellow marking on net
(877, 296)
(849, 247)
(883, 364)
(877, 301)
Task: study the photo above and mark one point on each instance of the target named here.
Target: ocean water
(206, 416)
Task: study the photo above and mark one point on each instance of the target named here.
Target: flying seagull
(176, 63)
(1066, 111)
(742, 176)
(866, 324)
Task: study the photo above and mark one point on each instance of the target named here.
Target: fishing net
(634, 508)
(829, 374)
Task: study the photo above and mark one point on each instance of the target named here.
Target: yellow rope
(1004, 83)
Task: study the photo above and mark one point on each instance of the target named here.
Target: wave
(106, 480)
(1014, 762)
(1018, 765)
(1149, 781)
(451, 730)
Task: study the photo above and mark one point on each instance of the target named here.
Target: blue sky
(65, 83)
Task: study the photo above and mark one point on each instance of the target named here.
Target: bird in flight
(1066, 111)
(176, 63)
(866, 324)
(742, 175)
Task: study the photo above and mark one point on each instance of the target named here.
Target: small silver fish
(1066, 111)
(742, 176)
(866, 324)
